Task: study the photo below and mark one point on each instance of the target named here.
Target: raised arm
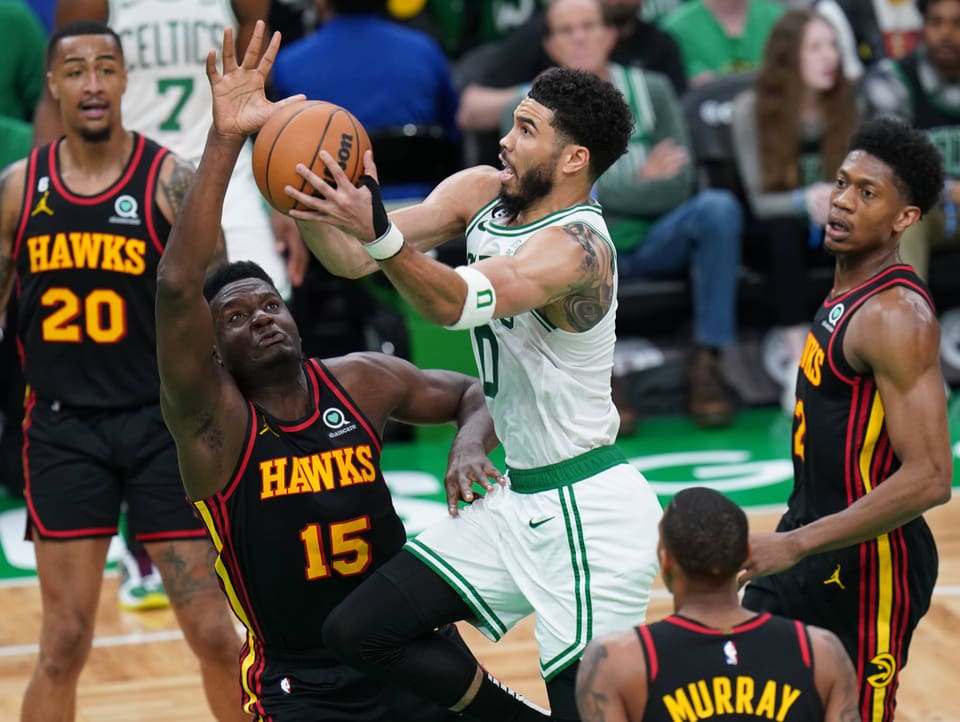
(201, 403)
(11, 198)
(612, 680)
(834, 676)
(47, 125)
(896, 336)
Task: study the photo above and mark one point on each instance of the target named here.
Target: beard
(96, 136)
(535, 184)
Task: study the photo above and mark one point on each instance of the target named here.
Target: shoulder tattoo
(590, 701)
(587, 301)
(175, 187)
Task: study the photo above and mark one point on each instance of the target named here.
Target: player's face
(867, 210)
(529, 153)
(819, 56)
(253, 327)
(941, 35)
(578, 37)
(87, 76)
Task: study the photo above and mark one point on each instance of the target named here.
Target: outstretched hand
(240, 105)
(468, 466)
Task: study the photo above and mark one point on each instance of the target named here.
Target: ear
(576, 158)
(907, 216)
(51, 86)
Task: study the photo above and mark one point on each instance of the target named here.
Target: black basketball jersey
(761, 669)
(841, 449)
(87, 282)
(305, 519)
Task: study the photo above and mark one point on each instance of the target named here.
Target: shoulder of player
(893, 317)
(12, 191)
(616, 655)
(575, 241)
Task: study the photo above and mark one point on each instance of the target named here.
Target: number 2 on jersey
(350, 554)
(800, 435)
(104, 316)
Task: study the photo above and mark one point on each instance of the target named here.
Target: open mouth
(506, 172)
(93, 109)
(837, 229)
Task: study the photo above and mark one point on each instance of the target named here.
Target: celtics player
(572, 533)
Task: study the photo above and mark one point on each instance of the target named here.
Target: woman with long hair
(790, 133)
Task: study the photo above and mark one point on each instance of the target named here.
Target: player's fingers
(322, 187)
(266, 62)
(369, 167)
(212, 65)
(291, 99)
(229, 52)
(307, 201)
(336, 172)
(252, 53)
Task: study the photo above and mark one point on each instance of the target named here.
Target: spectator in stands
(414, 86)
(790, 133)
(521, 55)
(717, 37)
(883, 28)
(923, 89)
(24, 41)
(661, 229)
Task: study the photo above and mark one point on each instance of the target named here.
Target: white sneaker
(139, 592)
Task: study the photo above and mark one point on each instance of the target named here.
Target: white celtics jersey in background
(548, 389)
(165, 46)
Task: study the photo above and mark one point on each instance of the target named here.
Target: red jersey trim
(28, 193)
(653, 665)
(245, 453)
(152, 177)
(138, 144)
(346, 402)
(693, 626)
(804, 644)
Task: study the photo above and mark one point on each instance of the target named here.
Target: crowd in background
(794, 79)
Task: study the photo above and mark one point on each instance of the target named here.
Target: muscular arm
(834, 676)
(201, 403)
(11, 198)
(566, 270)
(46, 120)
(176, 177)
(442, 215)
(612, 680)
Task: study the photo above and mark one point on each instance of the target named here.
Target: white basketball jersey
(165, 46)
(548, 390)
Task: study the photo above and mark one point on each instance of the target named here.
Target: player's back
(165, 45)
(760, 669)
(87, 268)
(548, 389)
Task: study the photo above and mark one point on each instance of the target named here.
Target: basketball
(296, 134)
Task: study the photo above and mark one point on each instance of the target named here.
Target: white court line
(172, 635)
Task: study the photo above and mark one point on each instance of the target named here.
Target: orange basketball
(296, 134)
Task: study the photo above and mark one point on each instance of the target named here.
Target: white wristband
(386, 246)
(481, 300)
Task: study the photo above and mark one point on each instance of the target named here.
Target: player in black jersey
(83, 222)
(871, 448)
(712, 658)
(281, 456)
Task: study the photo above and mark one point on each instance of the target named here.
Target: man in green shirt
(718, 37)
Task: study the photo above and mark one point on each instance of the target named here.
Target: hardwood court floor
(141, 670)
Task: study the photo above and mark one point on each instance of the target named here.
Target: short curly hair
(916, 163)
(587, 111)
(706, 534)
(229, 272)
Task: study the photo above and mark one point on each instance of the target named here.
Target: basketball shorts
(80, 465)
(246, 225)
(582, 556)
(871, 596)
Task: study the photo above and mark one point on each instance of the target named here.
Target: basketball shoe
(140, 585)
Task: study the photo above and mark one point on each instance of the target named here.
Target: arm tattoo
(586, 302)
(176, 186)
(591, 702)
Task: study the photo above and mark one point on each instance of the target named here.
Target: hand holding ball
(296, 134)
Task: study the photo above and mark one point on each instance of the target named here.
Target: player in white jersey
(166, 43)
(571, 534)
